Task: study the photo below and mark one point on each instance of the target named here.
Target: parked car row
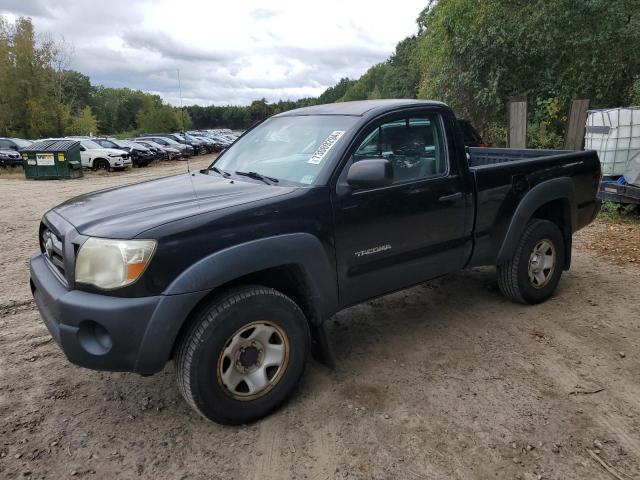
(109, 153)
(221, 138)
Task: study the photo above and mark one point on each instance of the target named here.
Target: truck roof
(357, 108)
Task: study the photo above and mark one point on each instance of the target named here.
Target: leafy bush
(540, 135)
(495, 134)
(620, 212)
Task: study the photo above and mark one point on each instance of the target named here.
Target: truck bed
(480, 157)
(503, 176)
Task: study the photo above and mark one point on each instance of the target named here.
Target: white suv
(94, 156)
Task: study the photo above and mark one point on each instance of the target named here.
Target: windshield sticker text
(307, 179)
(325, 146)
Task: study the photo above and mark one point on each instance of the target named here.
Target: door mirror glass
(370, 173)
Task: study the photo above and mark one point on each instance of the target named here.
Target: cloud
(30, 8)
(230, 54)
(263, 13)
(172, 48)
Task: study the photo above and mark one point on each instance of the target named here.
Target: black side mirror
(370, 173)
(82, 149)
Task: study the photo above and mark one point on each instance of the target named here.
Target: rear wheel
(533, 273)
(243, 355)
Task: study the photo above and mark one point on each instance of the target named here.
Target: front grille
(53, 249)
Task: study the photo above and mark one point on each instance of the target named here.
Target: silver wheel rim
(253, 360)
(542, 263)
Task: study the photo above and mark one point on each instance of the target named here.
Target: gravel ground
(445, 380)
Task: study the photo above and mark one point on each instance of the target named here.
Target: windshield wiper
(258, 176)
(220, 172)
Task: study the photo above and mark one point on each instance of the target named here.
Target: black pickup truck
(233, 270)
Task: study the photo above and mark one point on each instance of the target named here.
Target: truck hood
(125, 212)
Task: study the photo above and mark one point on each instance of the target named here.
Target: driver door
(392, 237)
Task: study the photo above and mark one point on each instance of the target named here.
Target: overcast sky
(228, 52)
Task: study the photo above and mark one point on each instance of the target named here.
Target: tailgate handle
(450, 198)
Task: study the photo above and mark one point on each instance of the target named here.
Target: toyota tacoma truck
(232, 271)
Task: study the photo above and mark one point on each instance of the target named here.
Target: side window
(414, 146)
(5, 144)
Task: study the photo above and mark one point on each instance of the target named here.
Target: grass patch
(11, 172)
(619, 212)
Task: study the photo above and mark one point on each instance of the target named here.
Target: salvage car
(195, 147)
(185, 149)
(140, 156)
(166, 152)
(97, 157)
(232, 271)
(15, 144)
(10, 158)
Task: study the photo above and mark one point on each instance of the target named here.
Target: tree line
(472, 54)
(41, 97)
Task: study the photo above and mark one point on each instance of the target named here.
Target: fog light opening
(94, 338)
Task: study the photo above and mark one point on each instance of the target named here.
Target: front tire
(101, 164)
(243, 355)
(533, 273)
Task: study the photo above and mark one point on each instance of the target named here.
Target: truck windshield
(294, 149)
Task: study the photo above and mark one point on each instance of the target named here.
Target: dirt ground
(446, 380)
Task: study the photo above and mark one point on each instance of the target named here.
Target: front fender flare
(301, 249)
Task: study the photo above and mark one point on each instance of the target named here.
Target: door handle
(450, 198)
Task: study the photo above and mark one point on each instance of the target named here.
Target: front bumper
(102, 332)
(120, 162)
(10, 162)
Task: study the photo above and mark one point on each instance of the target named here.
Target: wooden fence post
(574, 138)
(517, 123)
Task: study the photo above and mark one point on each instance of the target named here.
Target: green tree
(337, 92)
(155, 118)
(183, 118)
(85, 123)
(7, 80)
(475, 54)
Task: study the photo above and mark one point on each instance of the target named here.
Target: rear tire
(243, 355)
(533, 273)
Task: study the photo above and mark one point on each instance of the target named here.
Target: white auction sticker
(325, 146)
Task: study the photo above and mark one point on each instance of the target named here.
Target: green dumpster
(52, 160)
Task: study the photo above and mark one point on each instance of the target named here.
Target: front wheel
(101, 164)
(243, 355)
(533, 273)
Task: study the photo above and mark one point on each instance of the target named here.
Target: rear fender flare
(545, 192)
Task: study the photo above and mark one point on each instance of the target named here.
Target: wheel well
(559, 212)
(290, 280)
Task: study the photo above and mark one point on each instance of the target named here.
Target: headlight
(110, 264)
